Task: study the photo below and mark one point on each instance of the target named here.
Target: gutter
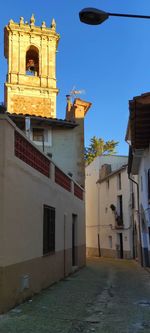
(139, 221)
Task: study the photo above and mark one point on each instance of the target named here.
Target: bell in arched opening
(32, 61)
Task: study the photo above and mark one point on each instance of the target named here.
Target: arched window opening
(32, 61)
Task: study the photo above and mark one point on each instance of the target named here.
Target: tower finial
(43, 24)
(21, 20)
(11, 21)
(32, 20)
(53, 24)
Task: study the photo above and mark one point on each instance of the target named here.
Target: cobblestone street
(107, 296)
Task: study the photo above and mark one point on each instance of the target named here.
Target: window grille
(62, 179)
(49, 230)
(30, 155)
(78, 192)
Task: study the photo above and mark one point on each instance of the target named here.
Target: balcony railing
(62, 179)
(119, 222)
(29, 154)
(78, 191)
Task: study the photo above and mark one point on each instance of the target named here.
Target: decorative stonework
(31, 54)
(33, 106)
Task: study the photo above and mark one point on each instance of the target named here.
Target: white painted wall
(66, 147)
(23, 192)
(91, 194)
(106, 221)
(143, 197)
(63, 145)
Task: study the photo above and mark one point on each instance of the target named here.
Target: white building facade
(42, 224)
(138, 137)
(144, 204)
(108, 208)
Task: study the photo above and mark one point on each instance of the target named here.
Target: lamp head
(93, 16)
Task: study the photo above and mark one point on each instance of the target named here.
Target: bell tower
(30, 86)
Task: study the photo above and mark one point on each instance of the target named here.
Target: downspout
(43, 142)
(140, 239)
(27, 126)
(98, 212)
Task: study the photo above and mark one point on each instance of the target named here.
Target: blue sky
(110, 62)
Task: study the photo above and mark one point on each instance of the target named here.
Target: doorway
(120, 245)
(74, 240)
(135, 242)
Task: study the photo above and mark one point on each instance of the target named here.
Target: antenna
(74, 92)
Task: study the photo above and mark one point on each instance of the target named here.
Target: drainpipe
(27, 126)
(43, 143)
(140, 239)
(98, 212)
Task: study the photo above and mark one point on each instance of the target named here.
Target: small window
(110, 241)
(119, 181)
(49, 230)
(42, 135)
(120, 209)
(107, 184)
(38, 134)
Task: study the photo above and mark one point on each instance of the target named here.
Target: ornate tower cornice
(31, 79)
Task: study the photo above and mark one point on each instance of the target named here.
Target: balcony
(119, 222)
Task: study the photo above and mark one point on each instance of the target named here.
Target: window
(38, 134)
(110, 241)
(42, 136)
(107, 184)
(74, 239)
(120, 209)
(119, 181)
(49, 230)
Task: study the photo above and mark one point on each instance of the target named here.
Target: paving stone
(107, 296)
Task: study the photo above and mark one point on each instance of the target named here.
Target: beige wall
(67, 151)
(106, 219)
(2, 175)
(23, 193)
(64, 144)
(91, 195)
(39, 273)
(100, 219)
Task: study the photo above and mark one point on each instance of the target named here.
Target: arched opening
(32, 61)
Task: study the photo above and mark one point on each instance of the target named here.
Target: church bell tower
(30, 86)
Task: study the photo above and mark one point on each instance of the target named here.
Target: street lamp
(95, 16)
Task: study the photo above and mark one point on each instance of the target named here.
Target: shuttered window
(119, 181)
(49, 230)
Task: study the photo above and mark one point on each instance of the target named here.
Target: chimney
(68, 108)
(104, 171)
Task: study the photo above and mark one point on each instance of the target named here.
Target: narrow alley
(107, 296)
